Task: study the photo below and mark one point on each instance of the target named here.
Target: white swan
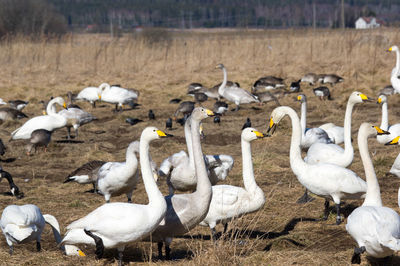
(117, 178)
(50, 122)
(179, 167)
(230, 201)
(394, 77)
(118, 96)
(75, 118)
(235, 94)
(91, 94)
(333, 153)
(394, 130)
(323, 179)
(185, 211)
(395, 169)
(310, 135)
(22, 224)
(114, 225)
(375, 228)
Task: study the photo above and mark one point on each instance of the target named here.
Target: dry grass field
(282, 232)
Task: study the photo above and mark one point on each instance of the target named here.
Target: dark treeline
(224, 13)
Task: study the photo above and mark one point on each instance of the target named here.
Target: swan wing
(241, 94)
(225, 195)
(323, 152)
(47, 122)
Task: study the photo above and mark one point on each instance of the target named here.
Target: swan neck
(203, 187)
(51, 108)
(156, 199)
(248, 171)
(296, 162)
(303, 119)
(385, 118)
(373, 195)
(348, 147)
(221, 88)
(188, 137)
(131, 159)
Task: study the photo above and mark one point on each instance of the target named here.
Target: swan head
(60, 101)
(71, 250)
(394, 48)
(200, 113)
(382, 99)
(276, 116)
(220, 66)
(358, 97)
(371, 131)
(302, 98)
(104, 86)
(152, 133)
(250, 134)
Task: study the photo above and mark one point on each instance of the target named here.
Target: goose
(86, 174)
(194, 87)
(185, 211)
(295, 86)
(374, 227)
(185, 108)
(394, 77)
(393, 129)
(114, 225)
(25, 223)
(326, 180)
(311, 78)
(91, 94)
(313, 135)
(7, 113)
(333, 153)
(118, 96)
(179, 168)
(39, 137)
(220, 107)
(50, 122)
(14, 190)
(267, 83)
(387, 90)
(323, 93)
(200, 97)
(235, 94)
(331, 79)
(18, 104)
(230, 201)
(75, 117)
(269, 96)
(213, 92)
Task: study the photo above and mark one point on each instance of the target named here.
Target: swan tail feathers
(19, 233)
(165, 168)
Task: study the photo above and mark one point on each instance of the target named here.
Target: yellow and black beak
(389, 50)
(44, 112)
(162, 134)
(299, 98)
(394, 141)
(271, 127)
(209, 112)
(381, 131)
(379, 100)
(81, 254)
(65, 106)
(259, 134)
(99, 97)
(364, 98)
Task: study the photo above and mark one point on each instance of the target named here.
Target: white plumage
(394, 130)
(230, 201)
(91, 94)
(394, 77)
(50, 122)
(375, 228)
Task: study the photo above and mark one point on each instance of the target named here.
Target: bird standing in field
(217, 119)
(133, 121)
(168, 124)
(247, 124)
(39, 137)
(151, 115)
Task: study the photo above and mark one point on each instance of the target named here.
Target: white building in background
(368, 23)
